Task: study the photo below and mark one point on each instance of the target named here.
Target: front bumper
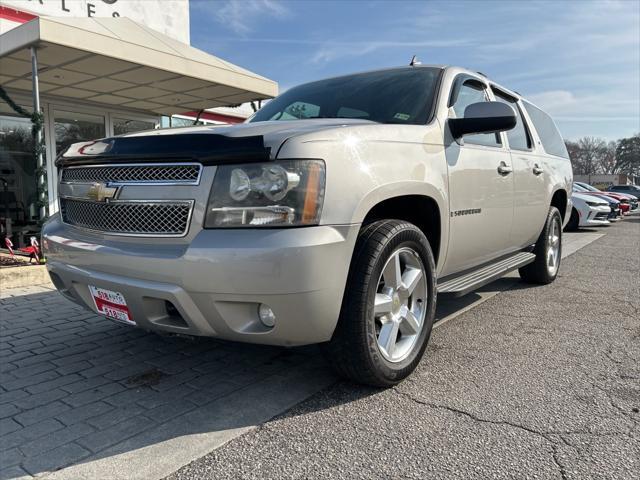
(596, 216)
(213, 285)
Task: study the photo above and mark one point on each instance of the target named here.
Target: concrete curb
(27, 276)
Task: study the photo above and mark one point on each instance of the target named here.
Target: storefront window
(71, 127)
(177, 122)
(122, 126)
(183, 122)
(18, 192)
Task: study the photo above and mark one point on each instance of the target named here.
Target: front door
(480, 190)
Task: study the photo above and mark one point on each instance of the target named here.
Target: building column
(42, 182)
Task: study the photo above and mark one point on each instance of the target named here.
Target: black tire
(537, 271)
(574, 221)
(353, 351)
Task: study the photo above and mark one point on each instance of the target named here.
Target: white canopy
(122, 63)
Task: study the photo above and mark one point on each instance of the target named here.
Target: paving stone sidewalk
(75, 387)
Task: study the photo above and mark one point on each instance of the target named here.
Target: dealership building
(97, 68)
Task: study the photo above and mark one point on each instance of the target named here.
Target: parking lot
(518, 381)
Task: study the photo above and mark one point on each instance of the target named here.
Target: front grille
(149, 218)
(601, 216)
(186, 173)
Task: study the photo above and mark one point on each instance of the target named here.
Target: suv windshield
(403, 95)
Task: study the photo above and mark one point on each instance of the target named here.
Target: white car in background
(588, 211)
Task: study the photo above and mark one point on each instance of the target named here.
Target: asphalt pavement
(536, 382)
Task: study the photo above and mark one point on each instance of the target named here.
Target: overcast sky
(577, 59)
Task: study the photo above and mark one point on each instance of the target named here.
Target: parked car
(628, 202)
(588, 211)
(336, 215)
(615, 214)
(627, 189)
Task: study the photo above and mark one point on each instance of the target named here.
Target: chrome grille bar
(157, 218)
(135, 174)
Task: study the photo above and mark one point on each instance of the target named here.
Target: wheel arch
(559, 199)
(421, 210)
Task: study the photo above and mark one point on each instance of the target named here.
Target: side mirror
(483, 117)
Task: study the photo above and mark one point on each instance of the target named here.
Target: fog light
(267, 317)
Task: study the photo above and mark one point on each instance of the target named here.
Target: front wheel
(388, 307)
(548, 251)
(574, 221)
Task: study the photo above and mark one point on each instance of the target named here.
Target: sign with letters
(170, 17)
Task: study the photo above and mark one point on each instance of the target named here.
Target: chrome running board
(463, 284)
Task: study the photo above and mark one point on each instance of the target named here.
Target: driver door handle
(537, 170)
(504, 169)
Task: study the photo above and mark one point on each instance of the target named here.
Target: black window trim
(460, 80)
(518, 101)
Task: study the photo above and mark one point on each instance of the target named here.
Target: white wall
(170, 17)
(603, 181)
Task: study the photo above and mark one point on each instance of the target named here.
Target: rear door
(480, 187)
(529, 177)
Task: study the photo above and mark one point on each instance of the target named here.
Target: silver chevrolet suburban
(336, 215)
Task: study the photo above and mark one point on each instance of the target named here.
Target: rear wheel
(548, 251)
(388, 307)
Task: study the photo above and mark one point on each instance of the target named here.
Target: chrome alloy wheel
(553, 248)
(400, 304)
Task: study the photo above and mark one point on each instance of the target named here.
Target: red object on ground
(33, 250)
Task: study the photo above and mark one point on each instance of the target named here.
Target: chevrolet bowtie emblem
(99, 192)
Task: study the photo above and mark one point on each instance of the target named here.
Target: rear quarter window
(550, 137)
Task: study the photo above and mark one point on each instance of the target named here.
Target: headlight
(596, 204)
(274, 194)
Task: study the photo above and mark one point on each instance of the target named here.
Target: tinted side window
(547, 131)
(473, 92)
(519, 138)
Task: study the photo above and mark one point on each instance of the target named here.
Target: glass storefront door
(71, 127)
(18, 190)
(123, 125)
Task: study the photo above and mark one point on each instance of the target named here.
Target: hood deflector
(206, 148)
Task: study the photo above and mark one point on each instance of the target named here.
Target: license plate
(111, 304)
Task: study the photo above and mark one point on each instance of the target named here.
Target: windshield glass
(402, 95)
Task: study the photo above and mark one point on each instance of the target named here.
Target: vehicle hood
(616, 195)
(599, 196)
(588, 198)
(630, 196)
(272, 130)
(250, 142)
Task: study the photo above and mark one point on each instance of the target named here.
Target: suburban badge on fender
(100, 192)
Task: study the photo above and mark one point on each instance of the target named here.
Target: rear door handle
(537, 170)
(504, 169)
